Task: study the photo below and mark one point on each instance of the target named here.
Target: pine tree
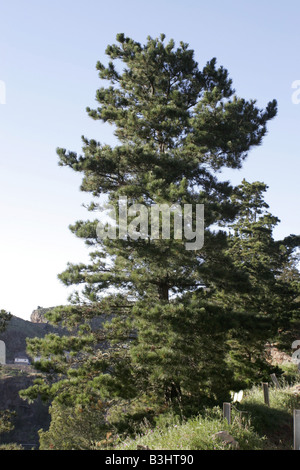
(177, 127)
(269, 303)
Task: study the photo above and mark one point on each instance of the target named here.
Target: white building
(21, 360)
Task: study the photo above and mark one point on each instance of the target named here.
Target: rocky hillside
(29, 418)
(16, 333)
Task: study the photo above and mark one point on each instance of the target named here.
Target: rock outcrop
(38, 315)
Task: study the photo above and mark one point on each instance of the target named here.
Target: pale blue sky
(48, 52)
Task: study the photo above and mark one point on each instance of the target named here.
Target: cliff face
(38, 315)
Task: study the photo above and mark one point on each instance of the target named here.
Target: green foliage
(275, 421)
(266, 303)
(183, 327)
(258, 428)
(73, 428)
(6, 425)
(194, 434)
(4, 319)
(11, 447)
(176, 125)
(5, 421)
(290, 373)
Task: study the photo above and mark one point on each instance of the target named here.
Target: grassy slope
(261, 427)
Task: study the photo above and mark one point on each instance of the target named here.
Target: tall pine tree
(164, 341)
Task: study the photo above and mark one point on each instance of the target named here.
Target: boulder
(225, 437)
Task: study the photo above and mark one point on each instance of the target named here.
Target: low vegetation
(255, 426)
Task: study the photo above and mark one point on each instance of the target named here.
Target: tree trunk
(163, 292)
